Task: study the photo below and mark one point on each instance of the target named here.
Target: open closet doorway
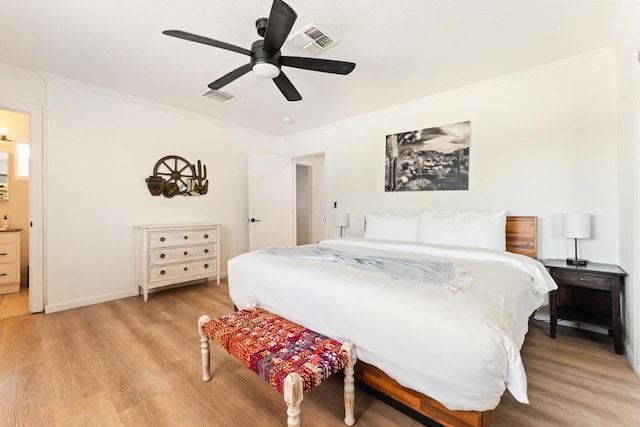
(14, 214)
(310, 209)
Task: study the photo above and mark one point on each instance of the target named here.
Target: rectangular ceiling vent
(312, 39)
(221, 96)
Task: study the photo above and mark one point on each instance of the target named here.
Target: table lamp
(343, 221)
(576, 226)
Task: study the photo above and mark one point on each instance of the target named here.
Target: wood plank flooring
(14, 304)
(127, 363)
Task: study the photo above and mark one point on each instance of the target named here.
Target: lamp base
(577, 261)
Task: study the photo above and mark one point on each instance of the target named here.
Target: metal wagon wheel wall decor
(174, 175)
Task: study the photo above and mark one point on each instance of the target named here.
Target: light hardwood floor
(14, 304)
(127, 363)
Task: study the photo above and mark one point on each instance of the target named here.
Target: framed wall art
(430, 159)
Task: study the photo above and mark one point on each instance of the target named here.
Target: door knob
(254, 220)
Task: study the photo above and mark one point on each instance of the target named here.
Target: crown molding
(565, 62)
(51, 78)
(626, 30)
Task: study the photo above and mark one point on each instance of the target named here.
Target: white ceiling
(404, 49)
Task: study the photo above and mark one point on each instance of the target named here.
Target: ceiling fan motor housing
(261, 26)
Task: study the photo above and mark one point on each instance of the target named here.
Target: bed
(446, 351)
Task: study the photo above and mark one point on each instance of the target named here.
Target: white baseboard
(52, 308)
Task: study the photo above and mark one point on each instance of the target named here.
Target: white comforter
(460, 349)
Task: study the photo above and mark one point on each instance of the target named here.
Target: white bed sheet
(462, 350)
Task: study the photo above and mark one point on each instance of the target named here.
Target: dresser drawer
(8, 273)
(582, 279)
(160, 239)
(8, 253)
(175, 254)
(8, 237)
(182, 270)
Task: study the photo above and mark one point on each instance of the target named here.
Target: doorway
(310, 209)
(34, 223)
(14, 213)
(272, 199)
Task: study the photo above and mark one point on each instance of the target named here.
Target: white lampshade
(576, 225)
(342, 219)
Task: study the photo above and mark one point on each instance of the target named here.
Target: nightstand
(589, 294)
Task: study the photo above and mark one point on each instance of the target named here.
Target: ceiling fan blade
(205, 40)
(287, 88)
(281, 19)
(229, 77)
(315, 64)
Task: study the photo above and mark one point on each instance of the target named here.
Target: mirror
(4, 175)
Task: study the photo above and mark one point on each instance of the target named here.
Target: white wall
(100, 147)
(628, 208)
(21, 85)
(629, 177)
(543, 142)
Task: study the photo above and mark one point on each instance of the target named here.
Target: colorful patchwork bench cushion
(274, 347)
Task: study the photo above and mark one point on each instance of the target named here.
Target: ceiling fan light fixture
(266, 70)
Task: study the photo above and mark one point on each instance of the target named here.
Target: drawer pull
(206, 236)
(206, 251)
(162, 256)
(186, 237)
(3, 274)
(581, 279)
(186, 253)
(4, 253)
(186, 268)
(163, 272)
(162, 239)
(206, 266)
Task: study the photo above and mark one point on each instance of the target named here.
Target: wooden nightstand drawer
(575, 278)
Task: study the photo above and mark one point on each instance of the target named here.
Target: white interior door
(271, 201)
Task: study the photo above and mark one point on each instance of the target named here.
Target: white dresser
(170, 254)
(10, 260)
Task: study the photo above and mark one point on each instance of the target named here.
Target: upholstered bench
(291, 358)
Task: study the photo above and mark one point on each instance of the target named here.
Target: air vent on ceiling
(312, 39)
(221, 96)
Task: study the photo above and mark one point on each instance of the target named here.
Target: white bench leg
(204, 349)
(293, 391)
(349, 387)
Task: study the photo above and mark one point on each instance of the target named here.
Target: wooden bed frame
(522, 238)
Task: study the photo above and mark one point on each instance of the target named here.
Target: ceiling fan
(265, 58)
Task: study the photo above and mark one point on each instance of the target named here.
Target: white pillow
(469, 229)
(391, 227)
